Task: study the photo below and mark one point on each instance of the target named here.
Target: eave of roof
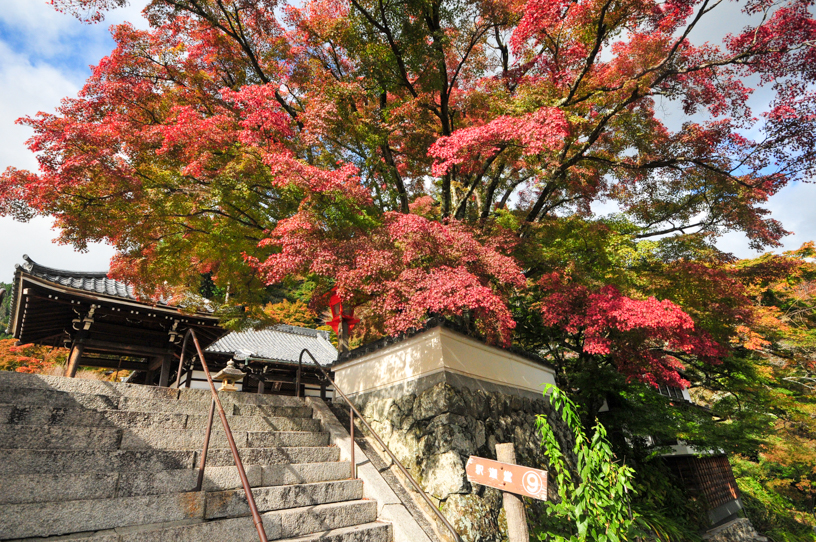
(65, 281)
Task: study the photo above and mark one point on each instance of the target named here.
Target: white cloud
(35, 238)
(26, 89)
(43, 58)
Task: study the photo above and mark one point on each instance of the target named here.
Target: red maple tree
(415, 153)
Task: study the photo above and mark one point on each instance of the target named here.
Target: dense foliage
(30, 358)
(441, 158)
(5, 309)
(593, 502)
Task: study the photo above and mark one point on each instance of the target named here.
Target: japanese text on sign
(513, 478)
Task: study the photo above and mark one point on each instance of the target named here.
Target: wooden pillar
(73, 359)
(261, 386)
(149, 377)
(164, 378)
(513, 506)
(323, 390)
(189, 380)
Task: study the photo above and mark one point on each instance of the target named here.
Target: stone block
(54, 518)
(297, 473)
(182, 439)
(237, 529)
(58, 438)
(5, 413)
(65, 461)
(168, 407)
(369, 532)
(286, 438)
(52, 398)
(325, 517)
(274, 456)
(271, 411)
(444, 474)
(31, 488)
(233, 502)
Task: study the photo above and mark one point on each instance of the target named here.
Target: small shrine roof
(282, 343)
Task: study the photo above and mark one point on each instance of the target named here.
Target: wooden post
(261, 386)
(513, 505)
(73, 359)
(164, 378)
(323, 390)
(189, 378)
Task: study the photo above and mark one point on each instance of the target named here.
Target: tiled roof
(91, 282)
(281, 343)
(99, 283)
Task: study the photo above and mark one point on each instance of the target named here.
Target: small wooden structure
(271, 358)
(103, 321)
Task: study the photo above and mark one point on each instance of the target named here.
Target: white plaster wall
(473, 358)
(437, 350)
(402, 362)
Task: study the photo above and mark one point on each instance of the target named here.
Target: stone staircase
(110, 462)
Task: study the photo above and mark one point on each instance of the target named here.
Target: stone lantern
(229, 375)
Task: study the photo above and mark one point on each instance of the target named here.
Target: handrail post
(374, 434)
(204, 450)
(351, 430)
(297, 383)
(216, 401)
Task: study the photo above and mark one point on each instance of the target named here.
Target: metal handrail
(379, 441)
(216, 403)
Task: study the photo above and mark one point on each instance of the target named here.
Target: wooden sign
(513, 478)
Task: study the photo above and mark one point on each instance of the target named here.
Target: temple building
(103, 321)
(106, 324)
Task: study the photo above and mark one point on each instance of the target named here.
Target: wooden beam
(108, 346)
(164, 378)
(156, 363)
(112, 364)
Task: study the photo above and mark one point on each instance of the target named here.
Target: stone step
(14, 381)
(202, 408)
(29, 488)
(70, 399)
(80, 417)
(59, 518)
(367, 532)
(36, 437)
(193, 439)
(232, 530)
(275, 456)
(56, 399)
(233, 503)
(25, 461)
(55, 518)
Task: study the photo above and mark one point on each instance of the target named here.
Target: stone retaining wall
(738, 530)
(434, 431)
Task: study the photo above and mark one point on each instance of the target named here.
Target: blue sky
(44, 56)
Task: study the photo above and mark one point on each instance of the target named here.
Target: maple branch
(671, 230)
(590, 61)
(384, 29)
(491, 188)
(460, 209)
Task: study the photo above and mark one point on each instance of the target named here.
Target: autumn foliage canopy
(441, 157)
